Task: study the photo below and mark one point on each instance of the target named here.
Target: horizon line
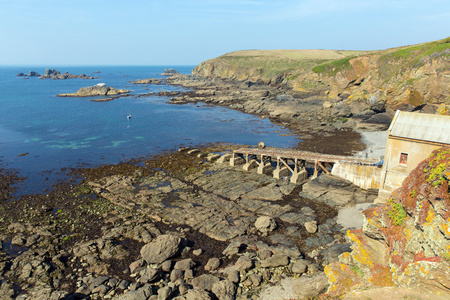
(92, 65)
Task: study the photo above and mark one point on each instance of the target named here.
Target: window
(403, 159)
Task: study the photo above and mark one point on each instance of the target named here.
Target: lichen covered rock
(405, 242)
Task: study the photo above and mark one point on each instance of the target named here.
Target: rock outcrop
(405, 242)
(147, 81)
(97, 90)
(54, 74)
(30, 74)
(170, 72)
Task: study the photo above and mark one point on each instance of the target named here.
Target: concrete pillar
(193, 151)
(265, 169)
(299, 176)
(252, 164)
(281, 172)
(202, 155)
(212, 157)
(224, 158)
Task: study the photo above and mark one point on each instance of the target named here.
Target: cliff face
(405, 76)
(405, 242)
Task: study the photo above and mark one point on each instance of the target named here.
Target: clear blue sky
(184, 32)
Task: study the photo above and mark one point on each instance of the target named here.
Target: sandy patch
(375, 142)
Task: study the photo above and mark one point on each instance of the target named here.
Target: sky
(185, 32)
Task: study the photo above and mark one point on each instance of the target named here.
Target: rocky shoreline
(179, 225)
(187, 225)
(232, 234)
(313, 110)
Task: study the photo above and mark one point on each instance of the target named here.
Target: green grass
(334, 66)
(397, 212)
(288, 63)
(414, 55)
(291, 64)
(395, 61)
(265, 66)
(357, 271)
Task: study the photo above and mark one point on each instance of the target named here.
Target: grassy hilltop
(405, 75)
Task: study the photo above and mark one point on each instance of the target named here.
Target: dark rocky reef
(148, 81)
(170, 72)
(54, 74)
(30, 74)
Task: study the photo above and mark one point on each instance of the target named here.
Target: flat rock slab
(334, 191)
(229, 183)
(268, 193)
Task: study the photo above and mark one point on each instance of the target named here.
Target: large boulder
(205, 282)
(160, 249)
(197, 294)
(265, 224)
(305, 287)
(225, 290)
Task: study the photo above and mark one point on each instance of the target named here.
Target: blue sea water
(68, 132)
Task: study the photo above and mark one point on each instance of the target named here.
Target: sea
(42, 135)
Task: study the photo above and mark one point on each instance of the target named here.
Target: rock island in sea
(54, 74)
(99, 89)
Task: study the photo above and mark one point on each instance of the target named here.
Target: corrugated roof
(418, 126)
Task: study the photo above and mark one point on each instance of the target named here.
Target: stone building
(411, 138)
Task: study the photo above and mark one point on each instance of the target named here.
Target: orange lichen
(360, 253)
(344, 278)
(381, 276)
(430, 217)
(445, 228)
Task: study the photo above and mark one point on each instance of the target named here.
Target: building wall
(366, 177)
(394, 171)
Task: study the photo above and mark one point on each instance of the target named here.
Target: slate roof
(418, 126)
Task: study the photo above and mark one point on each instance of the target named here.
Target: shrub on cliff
(405, 242)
